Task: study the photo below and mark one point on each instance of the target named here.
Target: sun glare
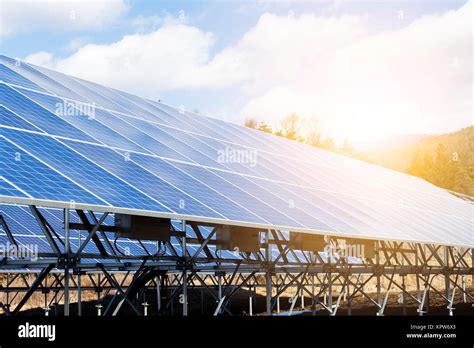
(365, 122)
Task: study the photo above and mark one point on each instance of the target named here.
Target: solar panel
(6, 189)
(26, 231)
(9, 76)
(133, 153)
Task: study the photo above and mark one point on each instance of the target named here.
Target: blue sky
(326, 60)
(227, 19)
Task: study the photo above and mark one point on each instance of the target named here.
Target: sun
(367, 118)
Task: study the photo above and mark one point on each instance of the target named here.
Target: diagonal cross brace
(91, 234)
(33, 287)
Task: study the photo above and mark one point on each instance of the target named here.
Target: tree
(314, 138)
(329, 144)
(314, 135)
(441, 169)
(250, 122)
(427, 167)
(291, 125)
(416, 164)
(265, 127)
(280, 133)
(442, 175)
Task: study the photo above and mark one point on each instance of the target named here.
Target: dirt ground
(201, 303)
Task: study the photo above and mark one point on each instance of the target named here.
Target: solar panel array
(26, 232)
(65, 139)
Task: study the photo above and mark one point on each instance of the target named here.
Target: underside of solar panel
(70, 143)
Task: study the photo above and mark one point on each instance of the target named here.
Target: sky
(356, 69)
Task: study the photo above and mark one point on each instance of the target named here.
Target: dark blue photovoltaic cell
(8, 118)
(86, 123)
(37, 115)
(21, 221)
(157, 115)
(145, 141)
(275, 145)
(112, 190)
(299, 199)
(126, 106)
(24, 227)
(37, 179)
(183, 121)
(219, 147)
(284, 206)
(3, 237)
(27, 71)
(8, 190)
(34, 242)
(9, 76)
(256, 166)
(143, 180)
(235, 194)
(80, 88)
(55, 219)
(170, 141)
(203, 193)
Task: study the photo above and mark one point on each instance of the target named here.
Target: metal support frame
(277, 272)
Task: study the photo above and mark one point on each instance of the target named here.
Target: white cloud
(414, 79)
(76, 43)
(42, 58)
(168, 58)
(38, 15)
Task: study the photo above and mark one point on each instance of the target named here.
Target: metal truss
(191, 271)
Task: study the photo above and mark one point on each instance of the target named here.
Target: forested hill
(446, 160)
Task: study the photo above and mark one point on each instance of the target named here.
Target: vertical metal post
(329, 299)
(185, 273)
(158, 295)
(278, 303)
(404, 302)
(447, 285)
(66, 266)
(268, 281)
(46, 307)
(313, 300)
(418, 291)
(377, 261)
(463, 287)
(219, 289)
(472, 265)
(7, 295)
(79, 299)
(302, 297)
(404, 299)
(250, 302)
(349, 306)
